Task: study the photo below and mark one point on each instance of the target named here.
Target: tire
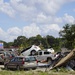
(33, 68)
(33, 52)
(50, 64)
(49, 61)
(18, 67)
(6, 67)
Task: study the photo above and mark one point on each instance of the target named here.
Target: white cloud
(31, 30)
(42, 18)
(49, 28)
(32, 10)
(10, 34)
(15, 31)
(50, 6)
(23, 9)
(3, 35)
(10, 38)
(58, 20)
(6, 8)
(1, 2)
(40, 14)
(68, 18)
(54, 27)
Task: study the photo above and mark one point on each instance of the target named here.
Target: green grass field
(34, 72)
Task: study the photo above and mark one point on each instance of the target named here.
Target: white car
(51, 50)
(30, 50)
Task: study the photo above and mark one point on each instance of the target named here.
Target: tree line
(67, 40)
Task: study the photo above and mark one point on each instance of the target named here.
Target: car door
(13, 63)
(33, 61)
(26, 62)
(30, 62)
(41, 56)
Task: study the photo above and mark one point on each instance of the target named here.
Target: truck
(45, 56)
(41, 55)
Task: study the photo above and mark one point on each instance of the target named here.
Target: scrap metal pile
(67, 61)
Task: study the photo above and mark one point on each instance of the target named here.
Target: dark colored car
(21, 62)
(6, 55)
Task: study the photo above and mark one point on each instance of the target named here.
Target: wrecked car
(67, 60)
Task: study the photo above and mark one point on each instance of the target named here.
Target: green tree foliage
(52, 42)
(44, 42)
(68, 36)
(32, 40)
(20, 41)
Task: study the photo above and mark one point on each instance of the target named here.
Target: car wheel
(18, 68)
(49, 61)
(50, 64)
(33, 68)
(6, 67)
(33, 52)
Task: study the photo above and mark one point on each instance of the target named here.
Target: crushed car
(65, 60)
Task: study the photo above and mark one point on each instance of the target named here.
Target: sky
(32, 17)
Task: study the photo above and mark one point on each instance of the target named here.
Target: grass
(35, 72)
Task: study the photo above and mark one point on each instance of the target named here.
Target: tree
(20, 41)
(68, 35)
(32, 40)
(50, 41)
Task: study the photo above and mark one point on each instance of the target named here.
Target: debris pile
(67, 61)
